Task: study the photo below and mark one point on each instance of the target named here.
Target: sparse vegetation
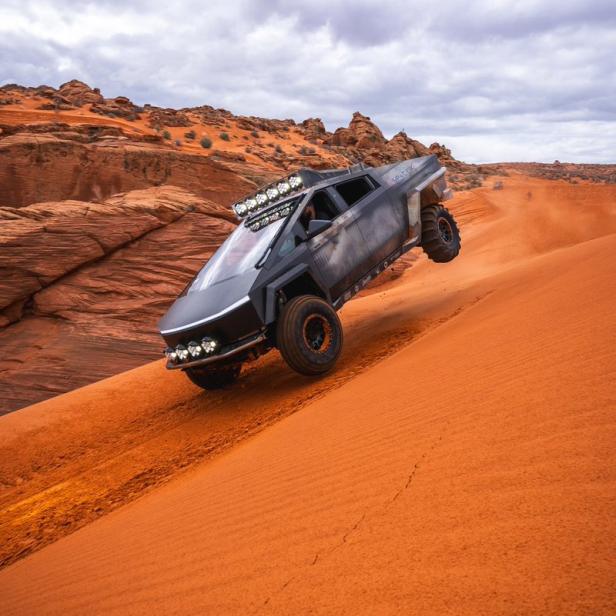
(178, 143)
(166, 134)
(278, 148)
(498, 185)
(255, 134)
(224, 136)
(191, 135)
(206, 142)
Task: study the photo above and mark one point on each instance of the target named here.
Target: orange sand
(469, 472)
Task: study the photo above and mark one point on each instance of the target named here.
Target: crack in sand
(320, 556)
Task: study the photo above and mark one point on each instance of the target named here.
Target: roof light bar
(272, 215)
(268, 195)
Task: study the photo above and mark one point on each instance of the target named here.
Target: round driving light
(209, 345)
(295, 181)
(182, 352)
(273, 193)
(261, 198)
(171, 355)
(284, 187)
(194, 349)
(251, 204)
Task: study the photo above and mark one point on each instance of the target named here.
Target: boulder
(79, 93)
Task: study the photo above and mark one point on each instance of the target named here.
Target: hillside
(457, 461)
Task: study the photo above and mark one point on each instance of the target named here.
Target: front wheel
(214, 377)
(440, 237)
(309, 335)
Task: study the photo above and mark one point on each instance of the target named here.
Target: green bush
(166, 135)
(224, 136)
(206, 142)
(191, 134)
(254, 133)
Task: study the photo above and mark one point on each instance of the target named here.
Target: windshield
(240, 252)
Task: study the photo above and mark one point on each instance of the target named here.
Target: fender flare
(271, 290)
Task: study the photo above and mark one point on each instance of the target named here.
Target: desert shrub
(278, 149)
(166, 134)
(224, 136)
(254, 133)
(178, 142)
(303, 151)
(206, 142)
(497, 186)
(191, 134)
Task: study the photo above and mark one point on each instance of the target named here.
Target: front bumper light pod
(182, 352)
(171, 355)
(209, 345)
(273, 193)
(194, 349)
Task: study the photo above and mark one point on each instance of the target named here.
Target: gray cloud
(527, 80)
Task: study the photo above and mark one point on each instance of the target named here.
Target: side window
(320, 207)
(354, 190)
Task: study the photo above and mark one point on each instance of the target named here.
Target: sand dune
(458, 461)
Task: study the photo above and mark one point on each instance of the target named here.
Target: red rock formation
(87, 283)
(314, 129)
(160, 118)
(57, 166)
(78, 93)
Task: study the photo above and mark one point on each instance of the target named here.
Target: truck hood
(200, 307)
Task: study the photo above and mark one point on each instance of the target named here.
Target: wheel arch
(297, 281)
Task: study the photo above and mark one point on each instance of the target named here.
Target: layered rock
(57, 166)
(91, 280)
(118, 107)
(78, 93)
(160, 118)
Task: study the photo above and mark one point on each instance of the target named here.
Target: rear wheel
(440, 237)
(214, 377)
(309, 335)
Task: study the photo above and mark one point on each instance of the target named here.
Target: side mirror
(317, 226)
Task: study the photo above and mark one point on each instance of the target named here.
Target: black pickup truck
(304, 246)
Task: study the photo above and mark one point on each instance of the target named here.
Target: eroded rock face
(78, 93)
(90, 282)
(49, 166)
(119, 107)
(160, 118)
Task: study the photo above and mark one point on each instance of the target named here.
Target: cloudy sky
(494, 80)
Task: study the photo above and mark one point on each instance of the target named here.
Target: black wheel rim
(317, 333)
(444, 228)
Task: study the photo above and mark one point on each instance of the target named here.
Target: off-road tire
(214, 377)
(309, 335)
(440, 237)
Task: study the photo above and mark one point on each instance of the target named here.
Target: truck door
(339, 253)
(382, 223)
